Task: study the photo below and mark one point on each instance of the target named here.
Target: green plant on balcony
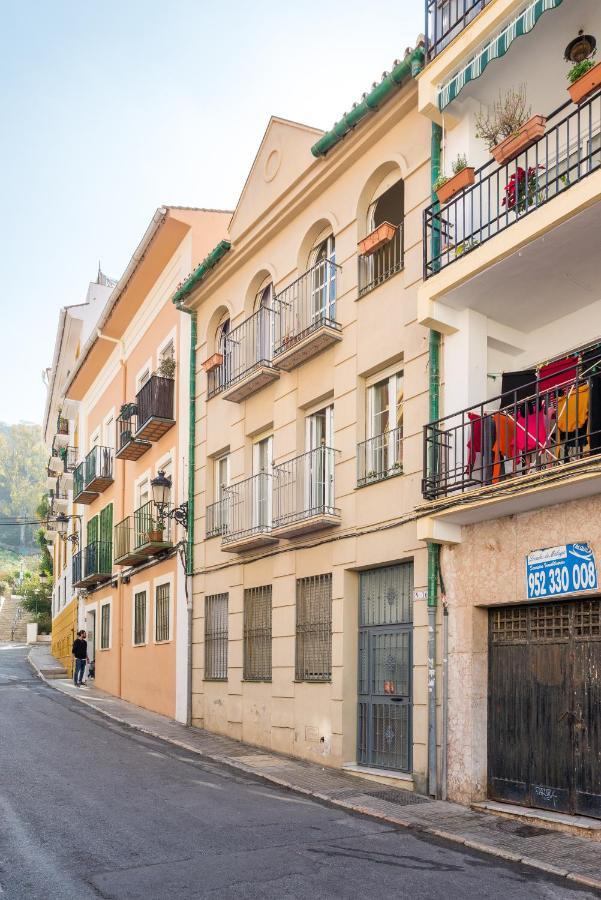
(580, 69)
(155, 531)
(504, 118)
(167, 367)
(466, 246)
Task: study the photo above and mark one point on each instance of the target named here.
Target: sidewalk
(567, 855)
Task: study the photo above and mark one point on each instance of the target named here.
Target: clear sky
(111, 108)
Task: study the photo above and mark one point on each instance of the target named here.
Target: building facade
(310, 627)
(512, 472)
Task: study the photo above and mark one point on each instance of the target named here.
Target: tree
(36, 598)
(22, 476)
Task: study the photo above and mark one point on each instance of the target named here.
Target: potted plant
(167, 367)
(155, 531)
(507, 126)
(213, 362)
(521, 192)
(463, 176)
(128, 410)
(584, 78)
(381, 235)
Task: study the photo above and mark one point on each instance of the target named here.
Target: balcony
(519, 451)
(98, 472)
(380, 457)
(306, 316)
(247, 364)
(59, 497)
(56, 466)
(249, 514)
(69, 458)
(141, 535)
(377, 267)
(216, 524)
(303, 493)
(93, 564)
(154, 402)
(446, 19)
(80, 493)
(129, 446)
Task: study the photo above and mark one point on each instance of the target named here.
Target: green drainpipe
(408, 67)
(433, 549)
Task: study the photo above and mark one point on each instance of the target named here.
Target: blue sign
(560, 570)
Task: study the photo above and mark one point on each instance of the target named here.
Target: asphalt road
(92, 809)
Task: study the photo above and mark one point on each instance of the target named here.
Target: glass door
(323, 283)
(319, 465)
(262, 468)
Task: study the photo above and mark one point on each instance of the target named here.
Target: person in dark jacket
(80, 657)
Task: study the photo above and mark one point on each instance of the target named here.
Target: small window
(143, 492)
(105, 626)
(216, 637)
(161, 613)
(109, 433)
(257, 634)
(168, 351)
(140, 618)
(314, 628)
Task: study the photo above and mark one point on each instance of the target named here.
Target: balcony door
(385, 425)
(262, 468)
(264, 331)
(323, 282)
(319, 463)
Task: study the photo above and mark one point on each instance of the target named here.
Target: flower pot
(213, 362)
(586, 84)
(457, 183)
(383, 234)
(155, 537)
(530, 132)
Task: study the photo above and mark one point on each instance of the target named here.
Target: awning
(522, 24)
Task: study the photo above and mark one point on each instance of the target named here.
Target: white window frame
(144, 476)
(147, 367)
(95, 438)
(93, 607)
(218, 494)
(170, 338)
(157, 582)
(137, 589)
(109, 418)
(101, 605)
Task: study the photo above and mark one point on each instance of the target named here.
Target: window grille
(314, 628)
(161, 618)
(257, 634)
(105, 626)
(140, 617)
(216, 637)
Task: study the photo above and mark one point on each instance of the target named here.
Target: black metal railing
(78, 479)
(537, 428)
(445, 19)
(127, 425)
(69, 458)
(248, 346)
(123, 537)
(380, 457)
(306, 305)
(216, 523)
(98, 558)
(215, 381)
(303, 487)
(62, 425)
(248, 505)
(149, 527)
(377, 267)
(77, 567)
(59, 492)
(98, 464)
(155, 399)
(500, 196)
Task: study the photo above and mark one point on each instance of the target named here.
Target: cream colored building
(310, 620)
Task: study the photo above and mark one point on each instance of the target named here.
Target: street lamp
(62, 523)
(161, 492)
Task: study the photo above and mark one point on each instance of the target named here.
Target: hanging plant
(522, 190)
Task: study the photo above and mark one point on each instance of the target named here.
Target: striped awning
(496, 48)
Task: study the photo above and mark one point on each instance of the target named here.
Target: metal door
(385, 667)
(544, 738)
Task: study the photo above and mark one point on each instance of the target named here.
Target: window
(168, 351)
(105, 626)
(382, 454)
(161, 613)
(318, 476)
(109, 433)
(65, 588)
(262, 468)
(257, 634)
(323, 286)
(143, 491)
(216, 634)
(222, 476)
(314, 628)
(386, 207)
(140, 617)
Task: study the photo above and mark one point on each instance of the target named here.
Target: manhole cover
(401, 798)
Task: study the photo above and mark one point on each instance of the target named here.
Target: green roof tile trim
(407, 68)
(495, 49)
(187, 286)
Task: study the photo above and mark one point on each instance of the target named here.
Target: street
(92, 809)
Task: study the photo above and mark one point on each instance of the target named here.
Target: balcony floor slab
(86, 497)
(133, 449)
(304, 526)
(254, 381)
(248, 542)
(154, 429)
(304, 348)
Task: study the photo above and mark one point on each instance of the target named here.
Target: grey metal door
(385, 667)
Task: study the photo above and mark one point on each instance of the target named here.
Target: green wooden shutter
(92, 530)
(106, 532)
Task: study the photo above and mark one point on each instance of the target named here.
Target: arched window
(323, 281)
(264, 325)
(221, 344)
(386, 207)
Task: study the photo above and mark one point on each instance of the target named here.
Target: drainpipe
(433, 549)
(190, 537)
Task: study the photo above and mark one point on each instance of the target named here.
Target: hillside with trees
(23, 459)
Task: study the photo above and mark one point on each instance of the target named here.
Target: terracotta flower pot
(155, 537)
(586, 84)
(380, 236)
(530, 132)
(213, 362)
(455, 184)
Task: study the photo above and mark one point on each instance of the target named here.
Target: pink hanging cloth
(531, 431)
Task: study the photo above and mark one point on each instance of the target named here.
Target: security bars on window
(257, 634)
(105, 626)
(216, 636)
(140, 617)
(314, 628)
(162, 613)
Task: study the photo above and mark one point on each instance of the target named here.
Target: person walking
(80, 656)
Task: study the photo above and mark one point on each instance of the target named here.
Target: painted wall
(64, 629)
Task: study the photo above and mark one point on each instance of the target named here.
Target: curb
(451, 837)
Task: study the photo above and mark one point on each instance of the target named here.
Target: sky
(112, 109)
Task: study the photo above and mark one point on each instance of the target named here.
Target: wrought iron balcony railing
(92, 564)
(377, 267)
(303, 487)
(248, 352)
(305, 306)
(128, 446)
(155, 406)
(445, 19)
(98, 469)
(248, 505)
(78, 479)
(537, 429)
(380, 457)
(141, 535)
(216, 523)
(502, 195)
